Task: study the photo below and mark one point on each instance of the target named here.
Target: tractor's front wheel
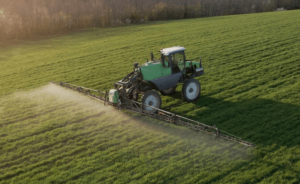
(191, 90)
(168, 91)
(151, 99)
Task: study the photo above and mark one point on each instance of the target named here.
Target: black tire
(151, 98)
(191, 90)
(168, 91)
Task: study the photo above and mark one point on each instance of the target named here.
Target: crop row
(250, 89)
(98, 144)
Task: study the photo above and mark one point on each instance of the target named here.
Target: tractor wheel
(168, 91)
(191, 90)
(151, 98)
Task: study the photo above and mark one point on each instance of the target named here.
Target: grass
(250, 89)
(82, 141)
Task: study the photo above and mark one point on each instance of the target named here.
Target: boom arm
(136, 107)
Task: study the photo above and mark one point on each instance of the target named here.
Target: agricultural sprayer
(138, 91)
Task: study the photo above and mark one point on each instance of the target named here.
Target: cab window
(177, 58)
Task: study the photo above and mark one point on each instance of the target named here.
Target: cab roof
(167, 51)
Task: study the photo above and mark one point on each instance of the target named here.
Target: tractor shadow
(260, 121)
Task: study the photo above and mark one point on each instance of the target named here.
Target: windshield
(166, 58)
(177, 60)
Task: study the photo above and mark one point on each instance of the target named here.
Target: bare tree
(26, 18)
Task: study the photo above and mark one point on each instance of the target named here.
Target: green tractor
(161, 75)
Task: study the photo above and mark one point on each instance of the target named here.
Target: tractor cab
(173, 58)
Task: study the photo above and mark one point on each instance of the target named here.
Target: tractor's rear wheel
(152, 99)
(191, 90)
(168, 91)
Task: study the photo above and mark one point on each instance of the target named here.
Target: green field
(251, 88)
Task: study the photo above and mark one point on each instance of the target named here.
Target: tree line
(21, 19)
